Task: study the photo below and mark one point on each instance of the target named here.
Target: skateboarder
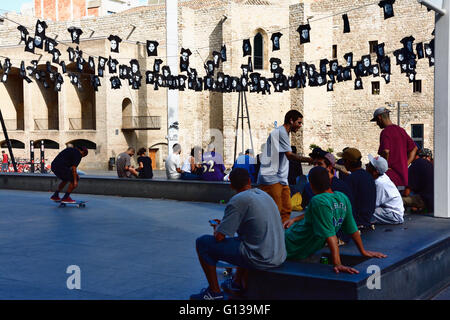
(64, 166)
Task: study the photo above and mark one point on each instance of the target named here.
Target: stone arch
(45, 104)
(12, 93)
(48, 144)
(83, 143)
(81, 103)
(157, 152)
(127, 113)
(15, 144)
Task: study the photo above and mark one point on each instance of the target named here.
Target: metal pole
(242, 122)
(398, 113)
(237, 128)
(32, 156)
(248, 120)
(8, 142)
(42, 157)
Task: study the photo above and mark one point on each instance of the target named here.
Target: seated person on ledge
(419, 195)
(363, 189)
(253, 214)
(192, 167)
(326, 214)
(326, 160)
(389, 206)
(213, 167)
(248, 163)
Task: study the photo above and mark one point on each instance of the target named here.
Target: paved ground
(126, 248)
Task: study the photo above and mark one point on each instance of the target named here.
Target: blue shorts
(227, 250)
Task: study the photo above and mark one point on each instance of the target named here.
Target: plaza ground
(126, 248)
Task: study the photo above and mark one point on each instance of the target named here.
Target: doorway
(152, 155)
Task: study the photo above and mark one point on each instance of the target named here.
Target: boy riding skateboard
(64, 166)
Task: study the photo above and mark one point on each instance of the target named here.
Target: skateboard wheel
(225, 273)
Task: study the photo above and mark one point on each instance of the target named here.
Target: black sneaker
(207, 294)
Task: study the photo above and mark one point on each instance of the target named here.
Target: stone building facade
(110, 120)
(341, 118)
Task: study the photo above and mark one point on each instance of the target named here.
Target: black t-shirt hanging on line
(276, 41)
(388, 8)
(304, 31)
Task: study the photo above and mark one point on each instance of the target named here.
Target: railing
(81, 124)
(46, 124)
(14, 124)
(141, 123)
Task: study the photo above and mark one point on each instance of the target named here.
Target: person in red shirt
(5, 162)
(396, 146)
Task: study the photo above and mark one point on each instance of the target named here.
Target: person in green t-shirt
(327, 212)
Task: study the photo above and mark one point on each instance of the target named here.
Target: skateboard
(78, 204)
(228, 268)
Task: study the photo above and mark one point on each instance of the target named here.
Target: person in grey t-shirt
(274, 170)
(253, 215)
(123, 164)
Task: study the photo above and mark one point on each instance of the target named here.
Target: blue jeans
(189, 176)
(210, 250)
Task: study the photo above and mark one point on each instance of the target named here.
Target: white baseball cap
(379, 163)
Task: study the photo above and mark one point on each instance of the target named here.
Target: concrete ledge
(417, 266)
(198, 191)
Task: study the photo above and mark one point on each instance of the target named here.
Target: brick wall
(333, 120)
(341, 119)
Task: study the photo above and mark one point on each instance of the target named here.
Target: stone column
(172, 55)
(442, 115)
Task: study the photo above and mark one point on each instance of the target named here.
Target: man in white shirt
(173, 163)
(389, 204)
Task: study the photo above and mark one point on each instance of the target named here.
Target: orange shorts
(281, 194)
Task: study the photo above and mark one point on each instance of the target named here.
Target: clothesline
(195, 50)
(307, 62)
(112, 55)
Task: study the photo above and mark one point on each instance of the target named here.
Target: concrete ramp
(197, 191)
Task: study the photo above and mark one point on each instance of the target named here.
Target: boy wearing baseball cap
(389, 204)
(64, 166)
(363, 188)
(326, 160)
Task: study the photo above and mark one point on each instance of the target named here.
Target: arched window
(127, 113)
(15, 144)
(83, 143)
(258, 52)
(48, 144)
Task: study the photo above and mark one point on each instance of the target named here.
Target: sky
(14, 5)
